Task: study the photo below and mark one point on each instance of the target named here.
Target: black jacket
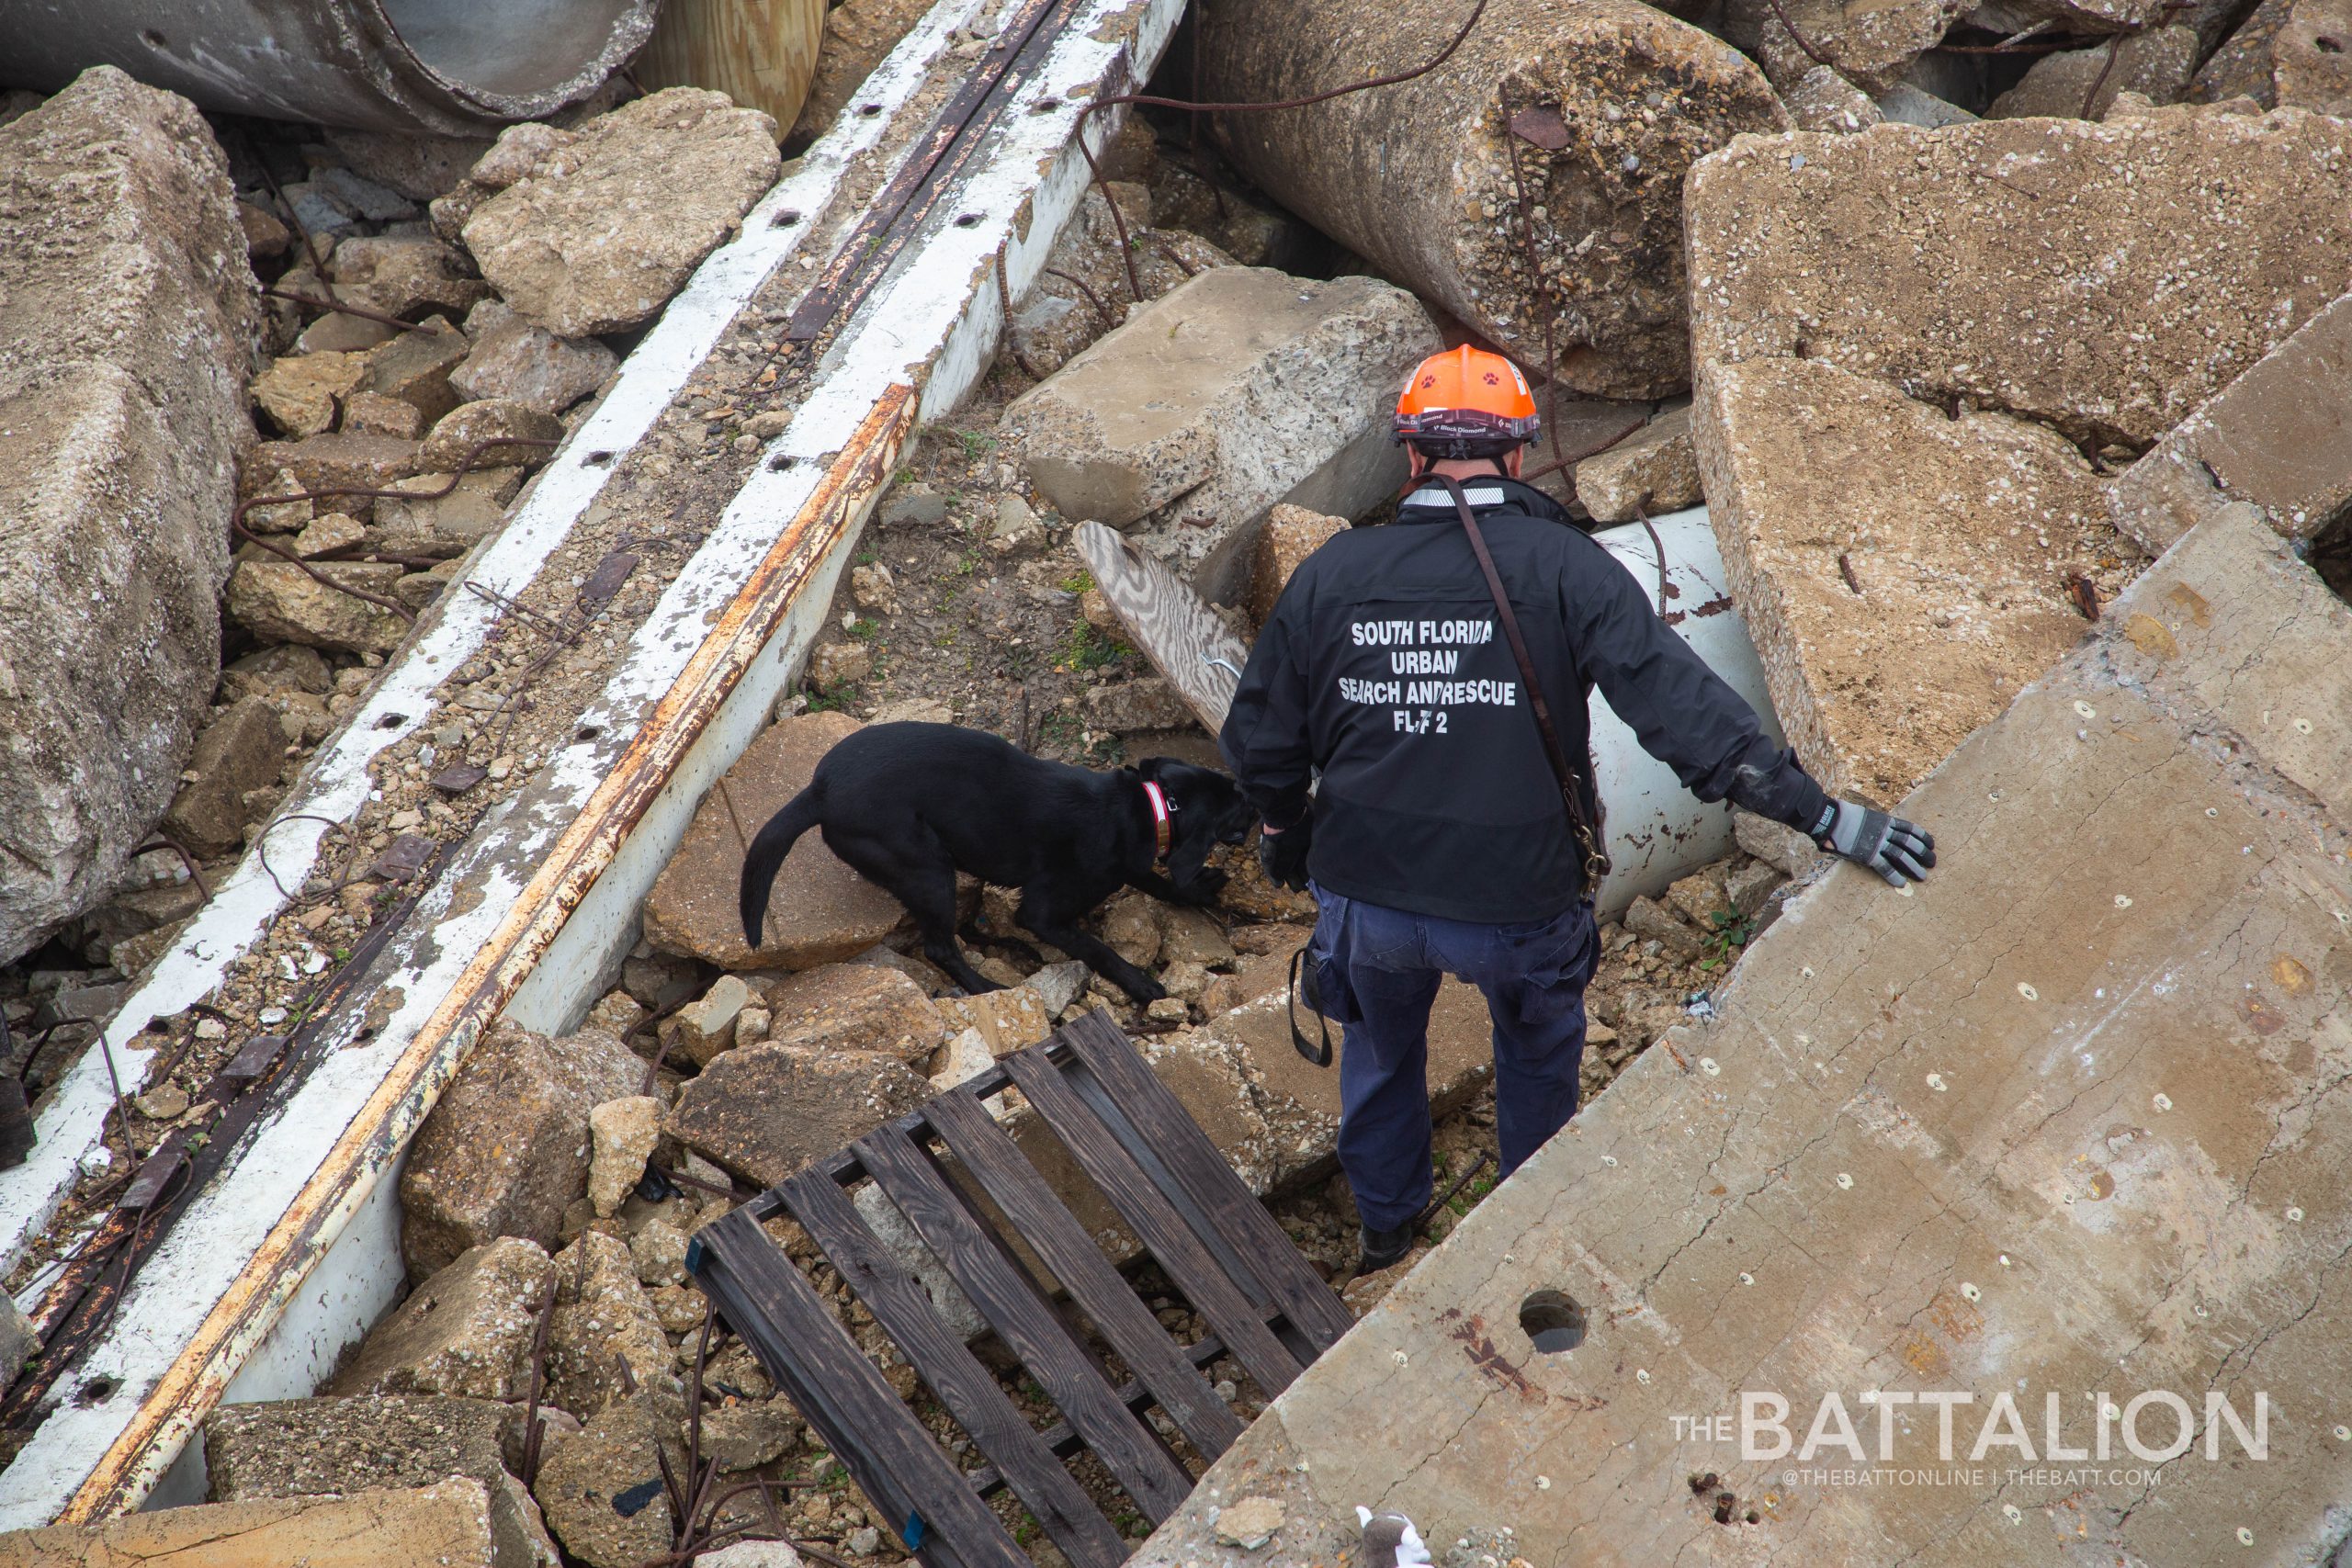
(1383, 668)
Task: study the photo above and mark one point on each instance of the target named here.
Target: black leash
(1317, 1052)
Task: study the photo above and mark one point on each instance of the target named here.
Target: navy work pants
(1377, 971)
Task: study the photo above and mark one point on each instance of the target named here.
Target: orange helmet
(1465, 403)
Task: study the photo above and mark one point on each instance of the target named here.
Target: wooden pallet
(1135, 1142)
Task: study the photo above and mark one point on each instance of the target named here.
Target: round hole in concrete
(869, 110)
(154, 39)
(97, 1391)
(1553, 1320)
(392, 721)
(598, 459)
(968, 219)
(785, 219)
(2329, 45)
(780, 462)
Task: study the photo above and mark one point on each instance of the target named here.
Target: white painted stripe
(336, 784)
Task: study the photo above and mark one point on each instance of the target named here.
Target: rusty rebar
(533, 1427)
(1147, 100)
(334, 308)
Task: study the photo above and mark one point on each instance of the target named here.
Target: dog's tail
(766, 858)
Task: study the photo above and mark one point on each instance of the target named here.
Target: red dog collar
(1162, 828)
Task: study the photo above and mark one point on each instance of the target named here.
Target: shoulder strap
(1596, 860)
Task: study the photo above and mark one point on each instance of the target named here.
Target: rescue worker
(1439, 840)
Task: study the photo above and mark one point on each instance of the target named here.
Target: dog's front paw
(1204, 887)
(1143, 989)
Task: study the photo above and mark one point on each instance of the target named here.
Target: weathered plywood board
(1171, 625)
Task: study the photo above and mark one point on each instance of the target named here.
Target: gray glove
(1896, 849)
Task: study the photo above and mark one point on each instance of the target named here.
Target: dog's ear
(1156, 768)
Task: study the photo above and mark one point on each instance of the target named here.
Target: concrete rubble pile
(257, 398)
(2021, 438)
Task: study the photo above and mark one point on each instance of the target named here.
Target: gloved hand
(1283, 852)
(1896, 849)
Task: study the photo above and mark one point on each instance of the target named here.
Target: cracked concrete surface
(2058, 1124)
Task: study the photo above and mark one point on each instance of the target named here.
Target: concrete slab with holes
(2065, 1126)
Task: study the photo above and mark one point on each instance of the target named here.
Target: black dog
(911, 805)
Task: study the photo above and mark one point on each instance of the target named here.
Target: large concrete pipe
(1656, 829)
(1610, 101)
(451, 67)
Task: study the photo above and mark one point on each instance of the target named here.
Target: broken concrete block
(332, 531)
(2279, 438)
(603, 1320)
(765, 1110)
(1299, 1103)
(838, 664)
(1058, 985)
(1613, 102)
(449, 1524)
(1189, 935)
(1063, 314)
(415, 367)
(243, 749)
(518, 149)
(621, 1137)
(706, 1026)
(465, 427)
(1653, 921)
(337, 461)
(293, 1448)
(1146, 702)
(507, 1144)
(2287, 54)
(125, 341)
(1241, 389)
(965, 1057)
(1784, 848)
(597, 237)
(515, 359)
(897, 1234)
(301, 394)
(1749, 886)
(405, 276)
(1130, 925)
(822, 912)
(1007, 1019)
(1291, 534)
(1249, 1523)
(741, 1434)
(450, 525)
(2157, 64)
(1652, 471)
(1870, 46)
(467, 1331)
(1903, 574)
(279, 599)
(1823, 100)
(856, 1007)
(657, 1252)
(1896, 256)
(418, 167)
(1968, 1128)
(602, 1490)
(1699, 898)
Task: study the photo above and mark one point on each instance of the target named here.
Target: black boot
(1381, 1248)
